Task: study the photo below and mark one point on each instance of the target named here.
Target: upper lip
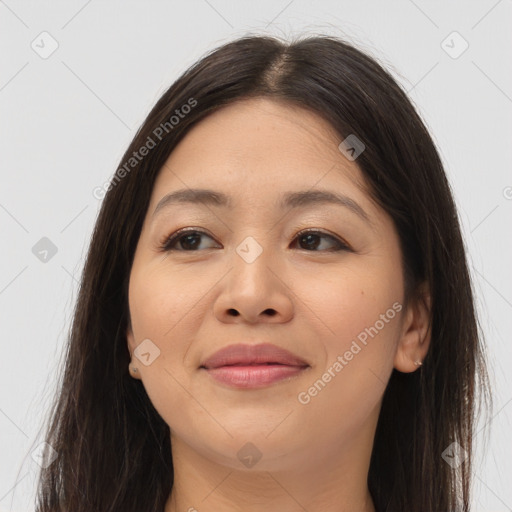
(241, 354)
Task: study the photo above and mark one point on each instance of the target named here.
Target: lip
(246, 355)
(253, 366)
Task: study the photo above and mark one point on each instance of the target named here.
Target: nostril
(233, 312)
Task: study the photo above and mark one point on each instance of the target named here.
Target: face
(320, 279)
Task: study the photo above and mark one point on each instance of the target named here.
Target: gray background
(66, 120)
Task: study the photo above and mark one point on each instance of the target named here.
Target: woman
(276, 311)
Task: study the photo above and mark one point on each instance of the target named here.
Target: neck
(318, 483)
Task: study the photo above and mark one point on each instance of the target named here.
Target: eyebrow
(290, 200)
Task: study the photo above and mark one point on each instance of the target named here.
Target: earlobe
(416, 333)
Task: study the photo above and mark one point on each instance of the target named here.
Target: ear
(130, 339)
(416, 332)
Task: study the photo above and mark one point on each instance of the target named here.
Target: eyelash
(166, 245)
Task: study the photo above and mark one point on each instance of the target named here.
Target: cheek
(162, 310)
(160, 302)
(350, 300)
(362, 309)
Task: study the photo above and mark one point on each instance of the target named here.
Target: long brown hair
(113, 449)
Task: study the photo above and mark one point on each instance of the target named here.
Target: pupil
(309, 238)
(186, 239)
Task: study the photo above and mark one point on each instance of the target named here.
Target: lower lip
(254, 376)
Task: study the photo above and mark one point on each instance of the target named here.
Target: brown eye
(311, 240)
(184, 240)
(188, 240)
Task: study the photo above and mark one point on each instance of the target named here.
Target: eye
(189, 239)
(310, 240)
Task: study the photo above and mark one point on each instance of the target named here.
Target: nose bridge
(251, 263)
(250, 250)
(253, 290)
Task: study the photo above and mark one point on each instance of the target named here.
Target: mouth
(253, 366)
(255, 375)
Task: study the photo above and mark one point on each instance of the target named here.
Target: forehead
(256, 149)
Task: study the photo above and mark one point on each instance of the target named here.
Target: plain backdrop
(77, 79)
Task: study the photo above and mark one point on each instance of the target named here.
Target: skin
(302, 296)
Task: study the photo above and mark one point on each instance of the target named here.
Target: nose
(254, 292)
